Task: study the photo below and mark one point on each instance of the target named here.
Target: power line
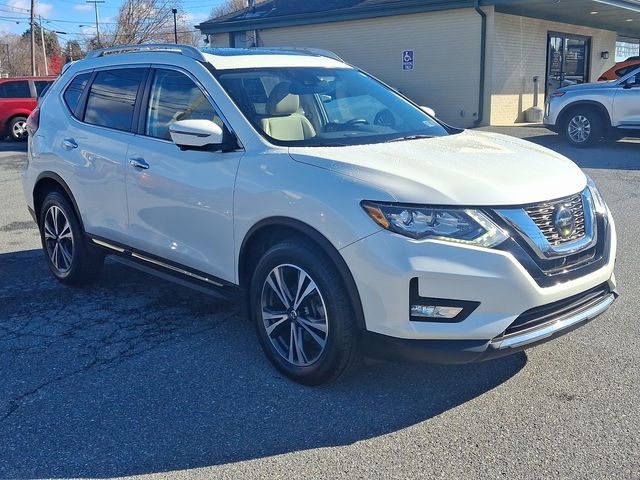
(15, 8)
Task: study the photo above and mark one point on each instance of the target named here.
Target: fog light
(434, 311)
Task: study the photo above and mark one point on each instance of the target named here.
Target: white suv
(345, 218)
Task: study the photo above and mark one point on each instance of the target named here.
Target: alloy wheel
(20, 129)
(294, 315)
(579, 129)
(58, 239)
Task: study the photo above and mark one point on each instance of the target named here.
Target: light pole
(95, 5)
(44, 50)
(175, 25)
(33, 40)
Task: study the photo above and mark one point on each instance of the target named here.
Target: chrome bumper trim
(540, 333)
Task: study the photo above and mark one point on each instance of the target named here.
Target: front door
(180, 202)
(626, 104)
(567, 61)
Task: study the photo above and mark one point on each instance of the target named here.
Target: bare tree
(230, 6)
(15, 58)
(147, 21)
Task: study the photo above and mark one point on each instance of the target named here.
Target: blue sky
(77, 18)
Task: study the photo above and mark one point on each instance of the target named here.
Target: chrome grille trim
(534, 236)
(542, 216)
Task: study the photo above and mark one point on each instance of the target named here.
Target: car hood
(588, 86)
(470, 168)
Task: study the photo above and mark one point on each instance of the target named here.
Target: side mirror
(196, 134)
(428, 111)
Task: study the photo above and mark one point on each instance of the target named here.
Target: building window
(238, 39)
(627, 47)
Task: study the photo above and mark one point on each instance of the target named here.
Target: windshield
(304, 106)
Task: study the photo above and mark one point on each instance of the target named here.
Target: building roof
(622, 16)
(276, 13)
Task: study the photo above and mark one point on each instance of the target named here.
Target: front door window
(567, 62)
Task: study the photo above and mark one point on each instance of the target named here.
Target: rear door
(93, 145)
(626, 104)
(180, 202)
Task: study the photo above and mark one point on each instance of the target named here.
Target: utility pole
(44, 50)
(175, 25)
(33, 40)
(95, 4)
(4, 66)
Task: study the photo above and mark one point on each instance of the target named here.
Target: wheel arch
(269, 231)
(599, 107)
(50, 181)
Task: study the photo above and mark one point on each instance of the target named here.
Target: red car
(18, 98)
(620, 69)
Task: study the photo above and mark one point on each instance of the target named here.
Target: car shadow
(136, 375)
(7, 145)
(620, 155)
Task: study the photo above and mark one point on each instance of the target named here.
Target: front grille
(538, 316)
(542, 215)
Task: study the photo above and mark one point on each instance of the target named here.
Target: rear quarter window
(15, 89)
(623, 71)
(74, 91)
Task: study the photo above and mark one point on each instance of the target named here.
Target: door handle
(69, 144)
(138, 163)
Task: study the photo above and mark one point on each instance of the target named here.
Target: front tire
(68, 256)
(584, 127)
(18, 129)
(303, 314)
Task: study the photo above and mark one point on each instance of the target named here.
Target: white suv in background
(589, 112)
(246, 173)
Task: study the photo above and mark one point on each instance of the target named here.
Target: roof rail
(318, 52)
(185, 50)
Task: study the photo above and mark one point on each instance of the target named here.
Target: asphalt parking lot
(136, 376)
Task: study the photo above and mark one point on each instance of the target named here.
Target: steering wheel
(385, 118)
(356, 121)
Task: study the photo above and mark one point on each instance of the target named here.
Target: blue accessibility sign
(407, 60)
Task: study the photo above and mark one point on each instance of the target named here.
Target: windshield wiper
(409, 137)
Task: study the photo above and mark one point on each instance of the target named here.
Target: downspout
(483, 57)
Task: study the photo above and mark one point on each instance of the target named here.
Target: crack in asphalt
(125, 315)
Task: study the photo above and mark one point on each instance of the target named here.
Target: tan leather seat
(284, 121)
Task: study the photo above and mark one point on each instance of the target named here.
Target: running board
(180, 275)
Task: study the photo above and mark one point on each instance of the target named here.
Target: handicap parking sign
(407, 60)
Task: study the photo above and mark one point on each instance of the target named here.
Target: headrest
(281, 102)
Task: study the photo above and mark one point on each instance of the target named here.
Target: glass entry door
(567, 61)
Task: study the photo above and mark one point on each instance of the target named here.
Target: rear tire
(303, 315)
(68, 256)
(17, 129)
(584, 127)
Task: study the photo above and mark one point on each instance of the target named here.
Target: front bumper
(501, 282)
(468, 351)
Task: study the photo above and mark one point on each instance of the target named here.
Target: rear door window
(74, 91)
(41, 86)
(15, 89)
(112, 98)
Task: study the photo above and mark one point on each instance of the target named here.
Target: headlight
(470, 227)
(598, 201)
